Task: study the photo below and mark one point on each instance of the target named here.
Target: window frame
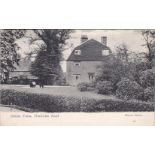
(103, 52)
(77, 52)
(91, 76)
(77, 75)
(75, 64)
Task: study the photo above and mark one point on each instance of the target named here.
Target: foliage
(8, 50)
(122, 52)
(147, 78)
(82, 86)
(128, 89)
(49, 55)
(112, 71)
(59, 103)
(149, 38)
(86, 86)
(139, 67)
(104, 87)
(149, 94)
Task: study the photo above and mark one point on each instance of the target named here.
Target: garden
(52, 100)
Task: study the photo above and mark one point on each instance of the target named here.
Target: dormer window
(77, 52)
(105, 52)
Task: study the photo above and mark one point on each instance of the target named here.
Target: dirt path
(8, 109)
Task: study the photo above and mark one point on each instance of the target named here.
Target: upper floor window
(77, 52)
(105, 52)
(77, 64)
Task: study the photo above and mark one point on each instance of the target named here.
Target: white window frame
(77, 52)
(105, 52)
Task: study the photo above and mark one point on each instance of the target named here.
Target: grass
(58, 90)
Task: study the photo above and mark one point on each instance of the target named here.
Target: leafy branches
(47, 63)
(8, 50)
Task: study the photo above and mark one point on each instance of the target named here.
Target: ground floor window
(76, 76)
(91, 76)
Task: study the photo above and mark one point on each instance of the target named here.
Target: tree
(8, 51)
(122, 52)
(112, 71)
(49, 53)
(149, 37)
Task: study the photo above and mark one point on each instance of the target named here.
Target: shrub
(85, 86)
(82, 86)
(127, 89)
(149, 94)
(104, 87)
(59, 103)
(122, 105)
(147, 78)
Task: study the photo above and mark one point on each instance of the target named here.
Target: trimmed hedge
(104, 87)
(86, 86)
(53, 103)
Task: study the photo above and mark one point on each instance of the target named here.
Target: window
(77, 52)
(76, 76)
(105, 52)
(77, 64)
(91, 76)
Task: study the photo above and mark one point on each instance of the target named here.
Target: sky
(132, 38)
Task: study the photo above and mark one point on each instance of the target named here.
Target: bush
(104, 87)
(149, 94)
(127, 89)
(85, 86)
(59, 103)
(82, 86)
(147, 78)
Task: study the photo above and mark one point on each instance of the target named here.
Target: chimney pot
(104, 40)
(84, 38)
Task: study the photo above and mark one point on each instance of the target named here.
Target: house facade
(83, 61)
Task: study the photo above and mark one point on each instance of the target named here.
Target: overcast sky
(132, 38)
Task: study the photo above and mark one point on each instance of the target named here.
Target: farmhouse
(84, 59)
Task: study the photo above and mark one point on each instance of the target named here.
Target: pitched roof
(91, 50)
(24, 65)
(23, 69)
(26, 74)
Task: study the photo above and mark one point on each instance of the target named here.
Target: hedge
(128, 89)
(59, 103)
(104, 87)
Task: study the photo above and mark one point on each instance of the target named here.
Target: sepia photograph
(77, 77)
(69, 70)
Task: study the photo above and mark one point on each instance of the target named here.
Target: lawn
(66, 99)
(58, 90)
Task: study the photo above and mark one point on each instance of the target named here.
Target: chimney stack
(84, 38)
(104, 40)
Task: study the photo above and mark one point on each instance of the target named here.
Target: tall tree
(149, 37)
(8, 51)
(49, 55)
(122, 52)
